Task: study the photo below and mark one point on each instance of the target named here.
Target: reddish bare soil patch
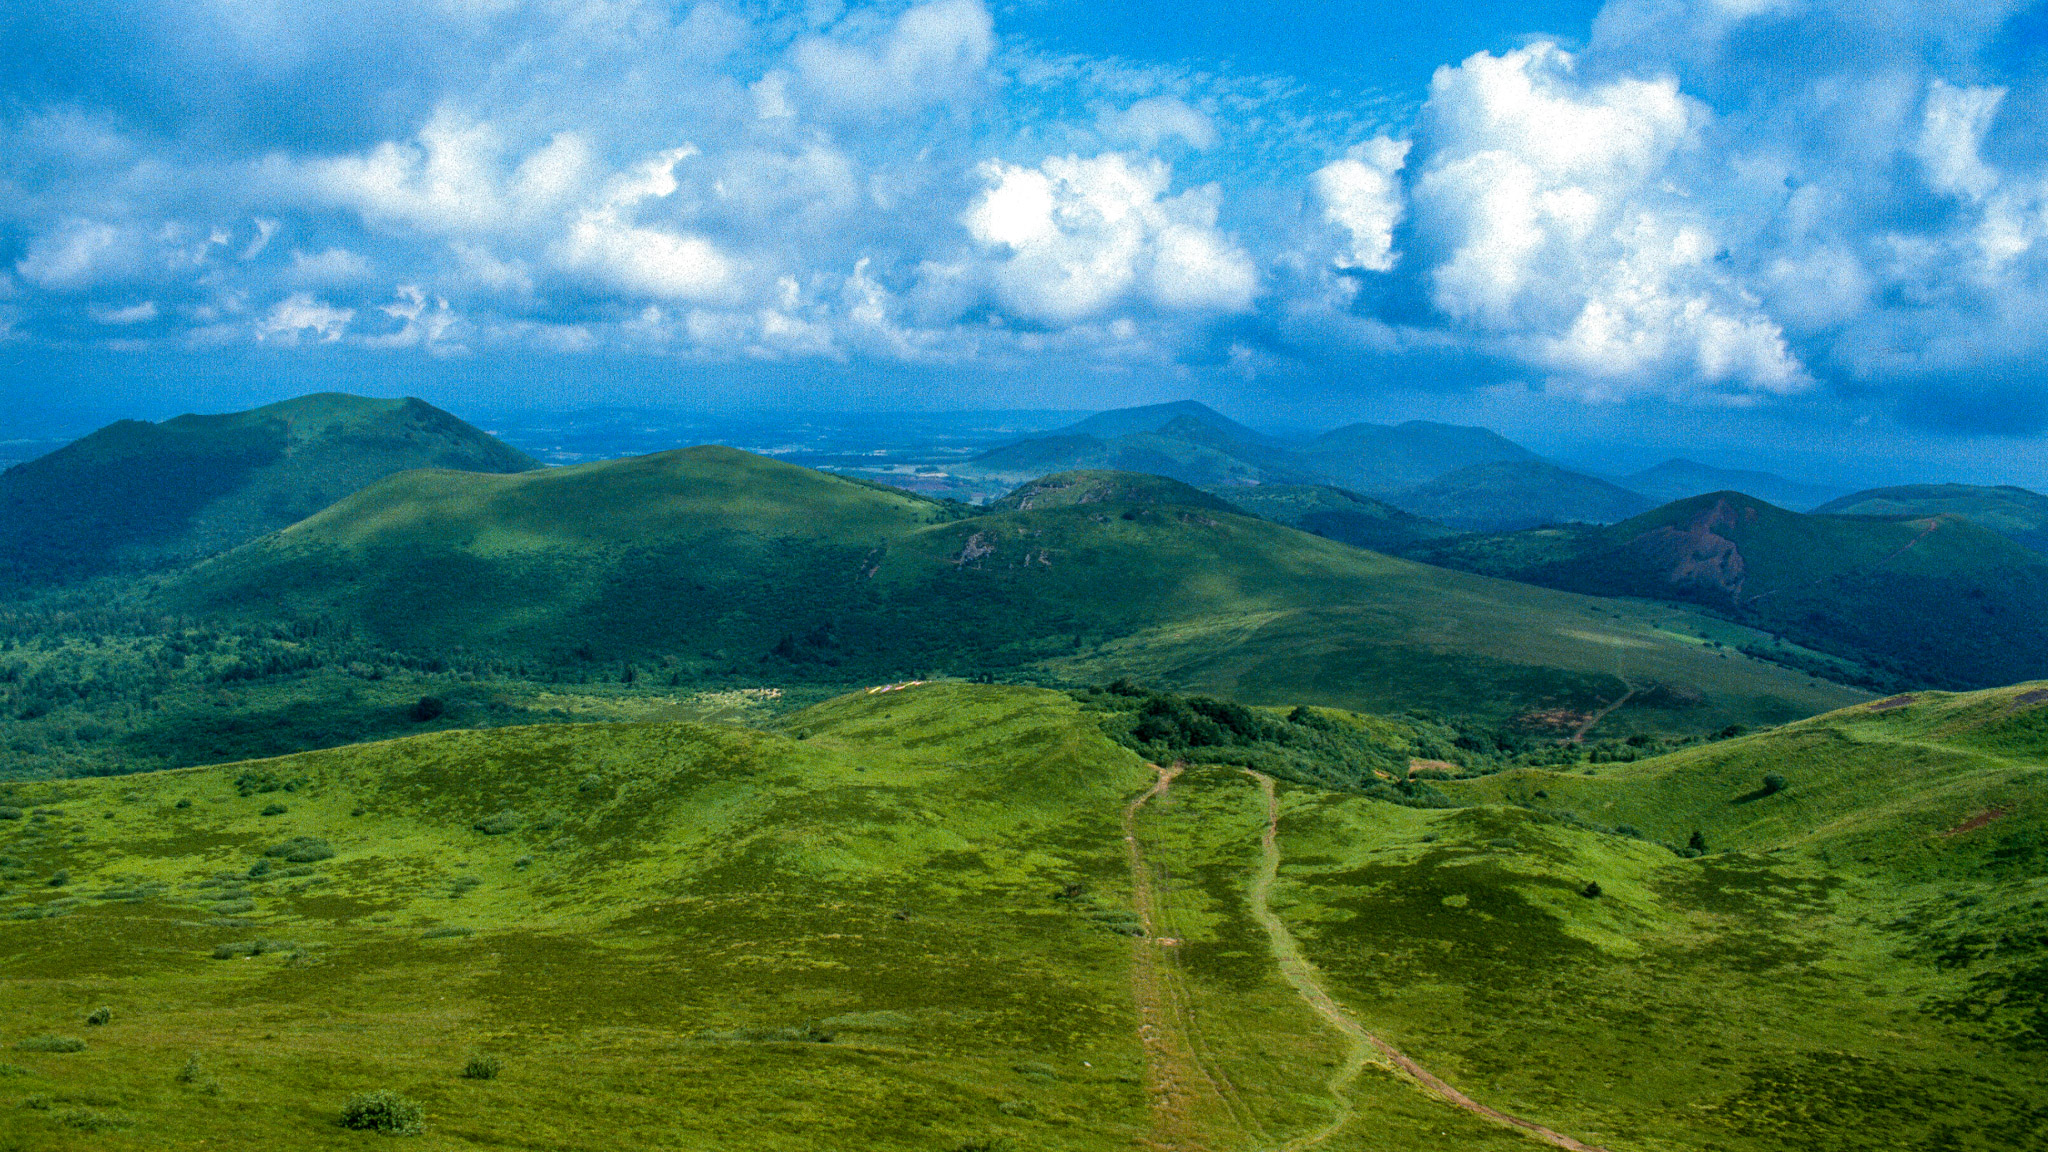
(1892, 702)
(2025, 699)
(1432, 769)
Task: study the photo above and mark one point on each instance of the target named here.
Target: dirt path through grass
(1580, 735)
(1194, 1106)
(1362, 1047)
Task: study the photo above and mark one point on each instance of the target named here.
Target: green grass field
(906, 920)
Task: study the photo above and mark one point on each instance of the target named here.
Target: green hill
(1154, 417)
(2014, 513)
(956, 917)
(1933, 601)
(1378, 459)
(1679, 479)
(140, 494)
(1185, 449)
(1336, 514)
(715, 562)
(1505, 495)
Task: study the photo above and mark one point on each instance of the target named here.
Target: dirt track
(1194, 1105)
(1363, 1047)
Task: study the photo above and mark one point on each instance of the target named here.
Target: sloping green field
(910, 919)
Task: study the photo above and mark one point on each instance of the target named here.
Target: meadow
(911, 919)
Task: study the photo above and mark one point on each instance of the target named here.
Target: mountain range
(721, 562)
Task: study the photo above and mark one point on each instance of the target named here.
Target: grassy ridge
(734, 565)
(666, 922)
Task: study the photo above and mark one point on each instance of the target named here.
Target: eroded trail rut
(1363, 1047)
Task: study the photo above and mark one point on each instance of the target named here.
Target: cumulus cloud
(1075, 237)
(299, 315)
(1362, 194)
(1559, 229)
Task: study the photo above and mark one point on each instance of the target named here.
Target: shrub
(9, 812)
(1591, 890)
(274, 810)
(234, 907)
(100, 1015)
(446, 932)
(52, 1044)
(182, 804)
(523, 862)
(1774, 783)
(301, 850)
(259, 870)
(383, 1111)
(60, 878)
(37, 1103)
(429, 708)
(498, 824)
(1698, 843)
(482, 1066)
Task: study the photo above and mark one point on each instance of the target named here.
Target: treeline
(1391, 758)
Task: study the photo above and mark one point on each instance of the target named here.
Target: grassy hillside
(1378, 459)
(136, 493)
(913, 919)
(1336, 514)
(1185, 448)
(2014, 513)
(1934, 601)
(719, 563)
(1506, 495)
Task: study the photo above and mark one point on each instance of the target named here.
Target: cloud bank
(1704, 203)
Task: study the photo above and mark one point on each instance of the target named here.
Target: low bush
(498, 824)
(446, 932)
(274, 810)
(59, 878)
(256, 948)
(183, 803)
(383, 1111)
(809, 1032)
(100, 1015)
(234, 907)
(301, 850)
(9, 812)
(51, 1044)
(482, 1066)
(429, 708)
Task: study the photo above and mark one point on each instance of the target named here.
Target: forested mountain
(136, 494)
(1935, 599)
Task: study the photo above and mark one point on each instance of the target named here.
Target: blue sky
(1754, 228)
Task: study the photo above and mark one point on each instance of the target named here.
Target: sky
(1755, 231)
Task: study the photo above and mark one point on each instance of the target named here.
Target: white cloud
(1952, 137)
(933, 52)
(1155, 120)
(291, 318)
(141, 313)
(1362, 194)
(76, 254)
(605, 241)
(1559, 230)
(1074, 237)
